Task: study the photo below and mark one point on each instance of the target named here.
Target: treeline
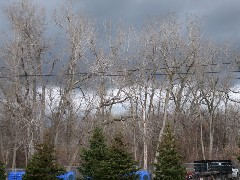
(65, 84)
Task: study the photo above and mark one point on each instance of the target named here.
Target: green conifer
(2, 171)
(101, 162)
(169, 163)
(43, 165)
(121, 163)
(94, 160)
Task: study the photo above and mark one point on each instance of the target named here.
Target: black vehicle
(212, 169)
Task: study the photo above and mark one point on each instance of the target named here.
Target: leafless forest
(64, 74)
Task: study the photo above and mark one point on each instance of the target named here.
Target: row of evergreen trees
(100, 161)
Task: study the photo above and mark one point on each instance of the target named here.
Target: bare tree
(79, 33)
(23, 58)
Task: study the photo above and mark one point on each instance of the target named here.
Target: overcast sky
(222, 17)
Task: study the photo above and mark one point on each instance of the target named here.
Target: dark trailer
(213, 168)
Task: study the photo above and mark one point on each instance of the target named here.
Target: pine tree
(121, 163)
(2, 171)
(102, 162)
(94, 159)
(43, 165)
(169, 163)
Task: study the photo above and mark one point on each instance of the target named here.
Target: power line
(168, 67)
(107, 74)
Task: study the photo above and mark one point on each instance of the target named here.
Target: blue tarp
(144, 175)
(70, 175)
(18, 175)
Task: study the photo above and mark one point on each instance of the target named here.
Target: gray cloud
(133, 11)
(223, 21)
(221, 16)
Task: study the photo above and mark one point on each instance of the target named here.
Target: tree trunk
(169, 89)
(211, 134)
(202, 142)
(145, 144)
